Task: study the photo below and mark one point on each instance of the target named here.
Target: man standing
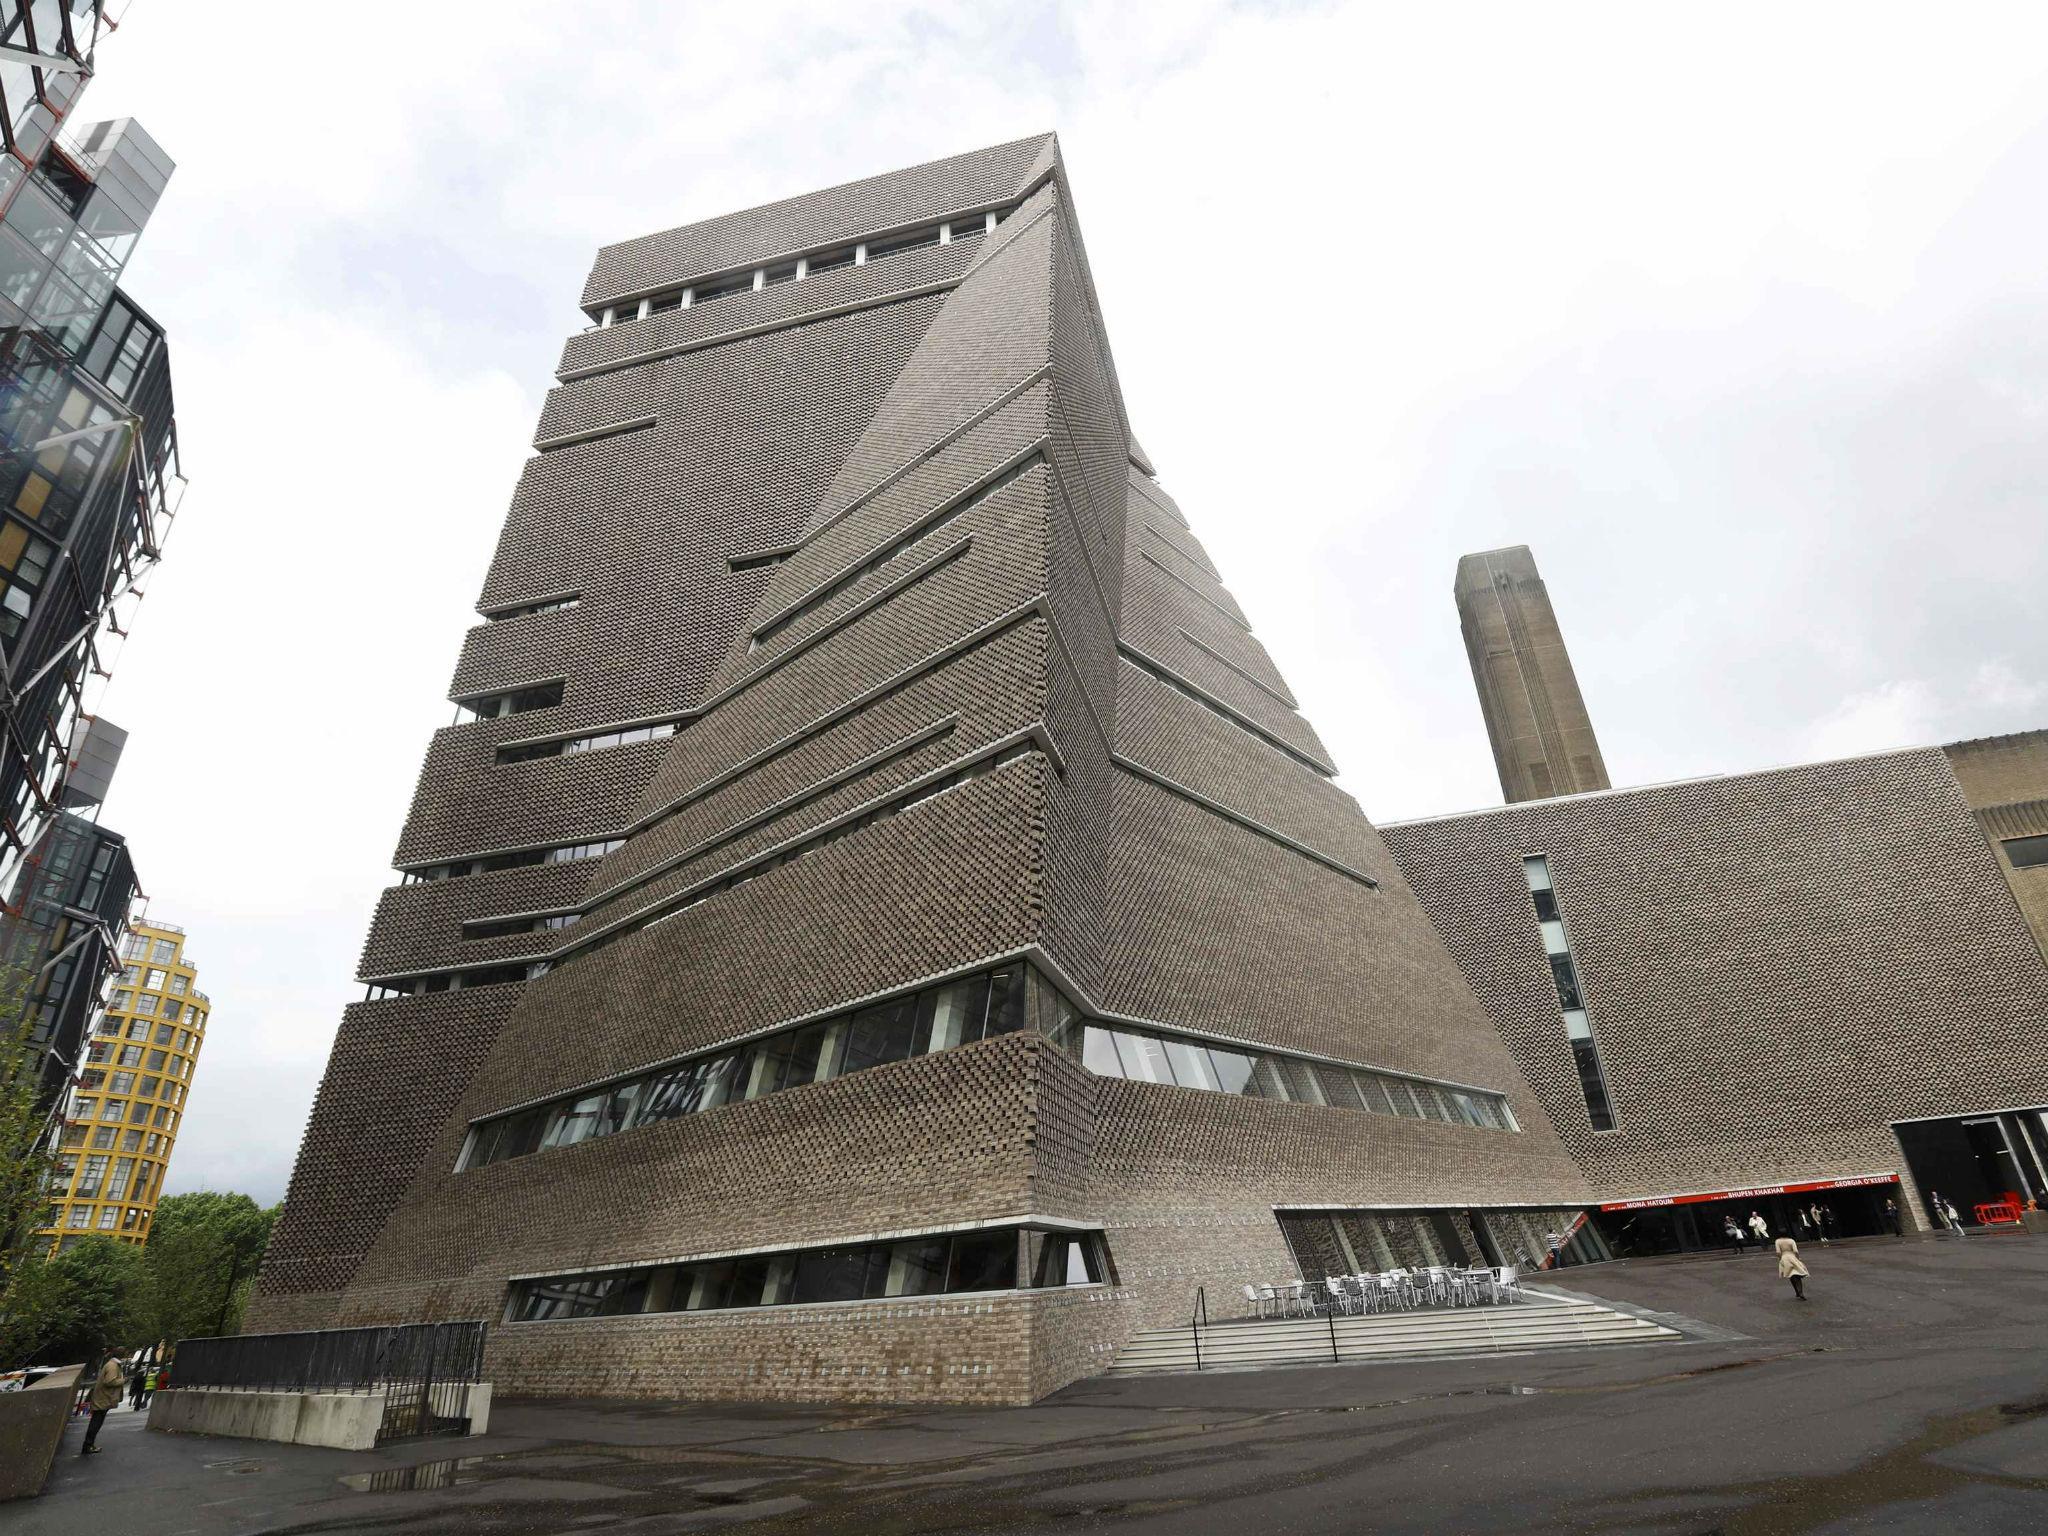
(1891, 1214)
(106, 1393)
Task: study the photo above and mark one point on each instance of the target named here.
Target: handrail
(1197, 1322)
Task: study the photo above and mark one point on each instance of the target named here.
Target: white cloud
(1738, 324)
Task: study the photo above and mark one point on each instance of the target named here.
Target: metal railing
(424, 1370)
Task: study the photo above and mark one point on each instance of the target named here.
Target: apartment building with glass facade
(120, 1120)
(902, 933)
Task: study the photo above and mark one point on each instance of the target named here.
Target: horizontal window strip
(1278, 695)
(599, 741)
(1185, 1061)
(957, 507)
(964, 224)
(554, 603)
(974, 1261)
(760, 328)
(1159, 672)
(1192, 590)
(1216, 807)
(594, 434)
(512, 858)
(960, 1011)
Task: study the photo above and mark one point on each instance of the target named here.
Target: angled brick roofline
(854, 210)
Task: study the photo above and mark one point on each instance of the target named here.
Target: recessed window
(928, 1265)
(517, 701)
(1564, 975)
(831, 261)
(528, 610)
(2026, 852)
(909, 240)
(723, 287)
(958, 1012)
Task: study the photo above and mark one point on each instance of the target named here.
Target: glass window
(1191, 1066)
(1339, 1087)
(1233, 1069)
(156, 1060)
(1302, 1084)
(840, 1274)
(958, 1011)
(983, 1261)
(1143, 1057)
(676, 1092)
(1098, 1052)
(916, 1267)
(880, 1034)
(1270, 1080)
(2026, 852)
(1006, 1001)
(1567, 979)
(155, 981)
(165, 1033)
(164, 951)
(761, 1282)
(814, 1053)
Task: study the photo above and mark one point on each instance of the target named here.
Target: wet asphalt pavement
(1910, 1394)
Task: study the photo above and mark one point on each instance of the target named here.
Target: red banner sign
(1809, 1186)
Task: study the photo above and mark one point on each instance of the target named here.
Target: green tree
(73, 1305)
(27, 1160)
(201, 1261)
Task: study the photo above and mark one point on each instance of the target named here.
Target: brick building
(903, 936)
(1820, 985)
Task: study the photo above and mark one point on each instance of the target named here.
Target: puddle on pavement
(421, 1475)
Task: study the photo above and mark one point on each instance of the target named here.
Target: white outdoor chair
(1507, 1283)
(1340, 1294)
(1301, 1302)
(1270, 1304)
(1396, 1290)
(1251, 1294)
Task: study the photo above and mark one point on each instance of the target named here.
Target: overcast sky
(1735, 315)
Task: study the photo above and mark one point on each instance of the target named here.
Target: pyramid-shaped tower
(887, 931)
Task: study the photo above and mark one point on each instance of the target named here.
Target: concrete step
(1535, 1324)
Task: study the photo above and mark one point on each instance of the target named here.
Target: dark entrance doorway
(1973, 1160)
(1807, 1210)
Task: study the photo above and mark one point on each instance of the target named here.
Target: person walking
(1820, 1220)
(1790, 1267)
(1758, 1226)
(138, 1383)
(1955, 1219)
(1735, 1234)
(1827, 1223)
(107, 1387)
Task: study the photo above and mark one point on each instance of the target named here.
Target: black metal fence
(424, 1370)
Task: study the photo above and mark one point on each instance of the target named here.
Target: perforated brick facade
(1777, 966)
(853, 535)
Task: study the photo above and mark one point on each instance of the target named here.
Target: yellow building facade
(122, 1115)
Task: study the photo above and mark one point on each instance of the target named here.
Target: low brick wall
(939, 1349)
(32, 1427)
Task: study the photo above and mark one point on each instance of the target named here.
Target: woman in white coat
(1790, 1266)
